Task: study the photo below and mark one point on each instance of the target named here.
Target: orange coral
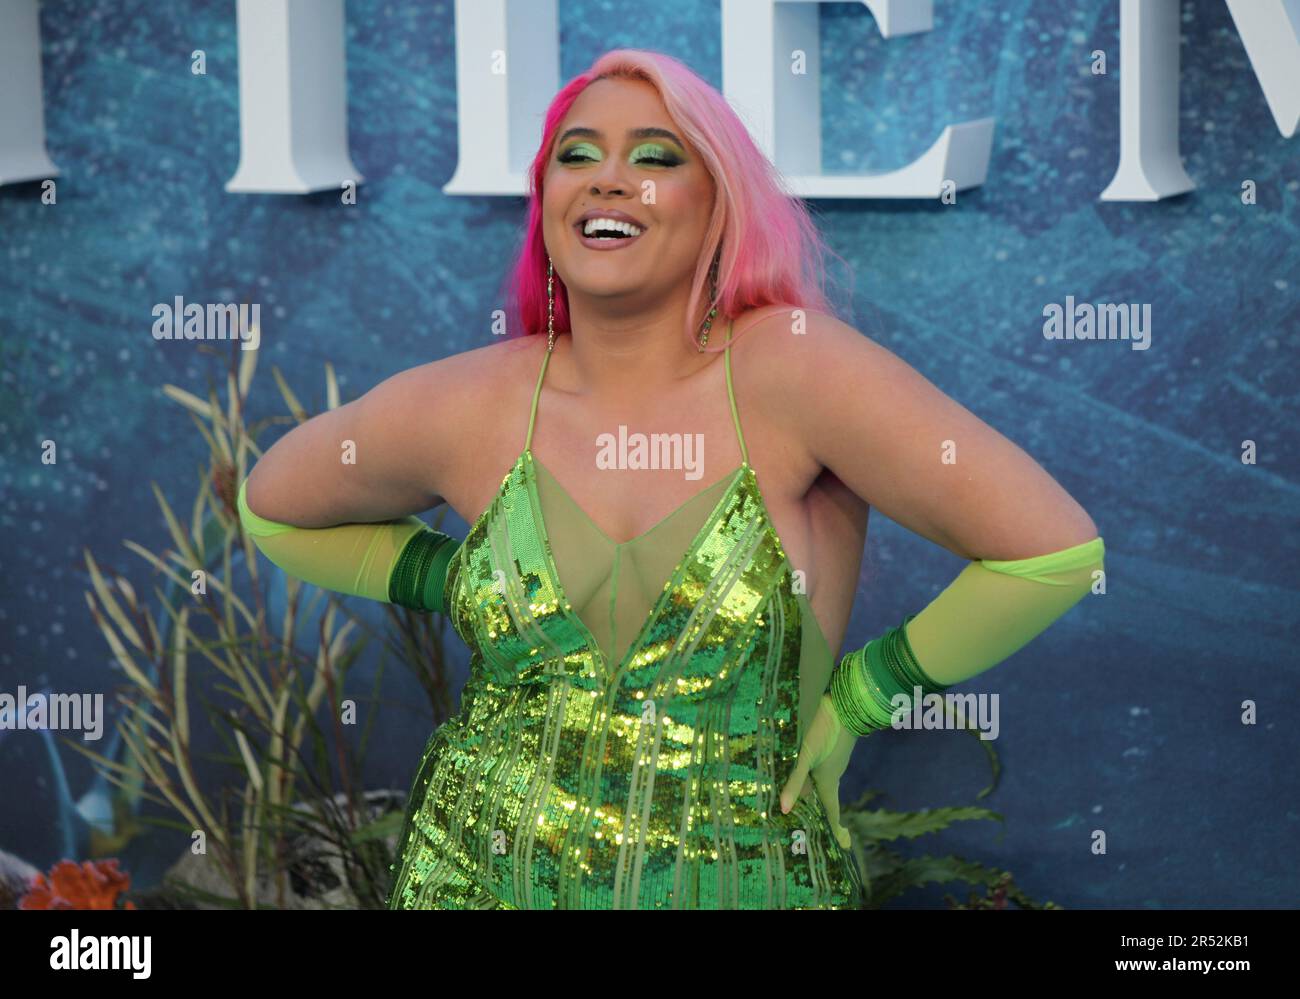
(89, 885)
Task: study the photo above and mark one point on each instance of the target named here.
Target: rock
(316, 875)
(15, 878)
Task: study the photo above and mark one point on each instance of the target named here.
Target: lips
(610, 213)
(608, 242)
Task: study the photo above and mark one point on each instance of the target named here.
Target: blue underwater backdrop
(1125, 717)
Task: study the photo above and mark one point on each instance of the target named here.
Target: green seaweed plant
(887, 874)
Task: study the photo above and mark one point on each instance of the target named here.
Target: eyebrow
(635, 133)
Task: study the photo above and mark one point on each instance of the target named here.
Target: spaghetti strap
(532, 415)
(731, 395)
(731, 398)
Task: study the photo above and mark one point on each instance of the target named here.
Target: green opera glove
(824, 755)
(992, 609)
(401, 562)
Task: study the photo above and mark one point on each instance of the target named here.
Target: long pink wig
(771, 253)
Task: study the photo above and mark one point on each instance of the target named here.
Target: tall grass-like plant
(288, 823)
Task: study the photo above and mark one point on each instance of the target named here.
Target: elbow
(257, 527)
(251, 489)
(1074, 530)
(1080, 532)
(1078, 544)
(1087, 528)
(249, 485)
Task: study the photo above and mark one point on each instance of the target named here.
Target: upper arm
(376, 458)
(918, 456)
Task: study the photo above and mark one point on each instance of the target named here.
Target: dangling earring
(713, 296)
(550, 304)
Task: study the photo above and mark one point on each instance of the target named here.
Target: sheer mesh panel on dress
(613, 587)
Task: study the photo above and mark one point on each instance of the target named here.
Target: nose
(610, 178)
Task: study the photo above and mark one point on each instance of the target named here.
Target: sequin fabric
(568, 781)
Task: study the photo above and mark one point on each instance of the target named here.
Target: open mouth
(607, 234)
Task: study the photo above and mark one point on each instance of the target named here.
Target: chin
(602, 281)
(609, 291)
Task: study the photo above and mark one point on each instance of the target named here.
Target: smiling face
(619, 155)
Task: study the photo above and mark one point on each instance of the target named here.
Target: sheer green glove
(993, 609)
(990, 610)
(401, 562)
(824, 756)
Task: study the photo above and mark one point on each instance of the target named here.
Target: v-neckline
(552, 570)
(648, 531)
(589, 639)
(589, 642)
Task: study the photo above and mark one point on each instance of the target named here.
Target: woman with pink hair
(654, 717)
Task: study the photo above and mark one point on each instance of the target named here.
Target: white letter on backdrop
(1150, 165)
(507, 71)
(293, 105)
(1270, 31)
(783, 109)
(22, 108)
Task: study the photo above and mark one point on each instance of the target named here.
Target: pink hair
(771, 250)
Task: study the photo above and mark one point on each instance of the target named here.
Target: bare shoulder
(775, 336)
(826, 387)
(480, 370)
(447, 392)
(454, 406)
(806, 358)
(793, 356)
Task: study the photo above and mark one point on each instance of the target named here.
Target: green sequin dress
(630, 716)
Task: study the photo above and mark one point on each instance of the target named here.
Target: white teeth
(593, 225)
